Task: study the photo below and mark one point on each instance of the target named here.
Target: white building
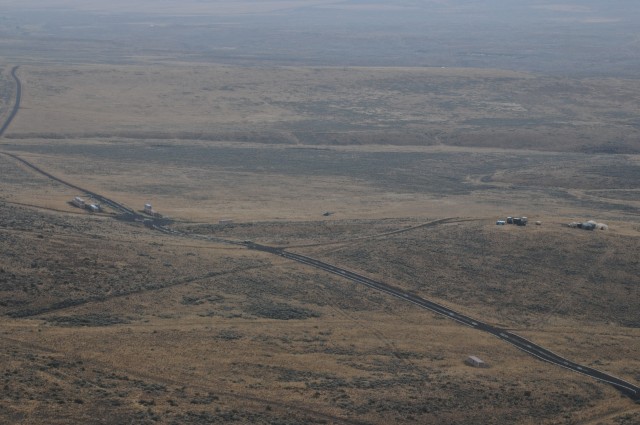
(475, 362)
(78, 202)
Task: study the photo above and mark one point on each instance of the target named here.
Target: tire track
(72, 303)
(527, 346)
(385, 234)
(517, 341)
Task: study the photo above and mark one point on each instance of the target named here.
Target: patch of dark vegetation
(91, 319)
(280, 311)
(198, 300)
(628, 419)
(34, 385)
(284, 284)
(56, 306)
(12, 303)
(437, 173)
(133, 289)
(620, 194)
(611, 148)
(228, 335)
(204, 399)
(220, 416)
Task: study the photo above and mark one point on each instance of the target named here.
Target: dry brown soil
(105, 321)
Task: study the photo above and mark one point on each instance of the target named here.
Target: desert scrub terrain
(524, 275)
(78, 264)
(106, 321)
(552, 283)
(208, 181)
(263, 341)
(301, 233)
(190, 333)
(102, 315)
(331, 106)
(7, 90)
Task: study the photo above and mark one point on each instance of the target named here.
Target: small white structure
(148, 209)
(599, 226)
(474, 361)
(94, 208)
(589, 225)
(500, 223)
(78, 202)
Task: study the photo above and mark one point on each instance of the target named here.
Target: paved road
(16, 107)
(519, 342)
(16, 104)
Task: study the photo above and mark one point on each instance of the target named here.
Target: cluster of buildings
(586, 225)
(81, 203)
(518, 221)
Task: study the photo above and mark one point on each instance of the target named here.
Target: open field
(331, 106)
(340, 130)
(7, 88)
(592, 38)
(101, 315)
(121, 323)
(209, 181)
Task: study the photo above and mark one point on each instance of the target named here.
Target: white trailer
(78, 202)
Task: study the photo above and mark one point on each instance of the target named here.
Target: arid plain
(106, 321)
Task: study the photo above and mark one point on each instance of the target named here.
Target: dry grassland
(156, 329)
(105, 321)
(158, 310)
(344, 106)
(6, 90)
(206, 182)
